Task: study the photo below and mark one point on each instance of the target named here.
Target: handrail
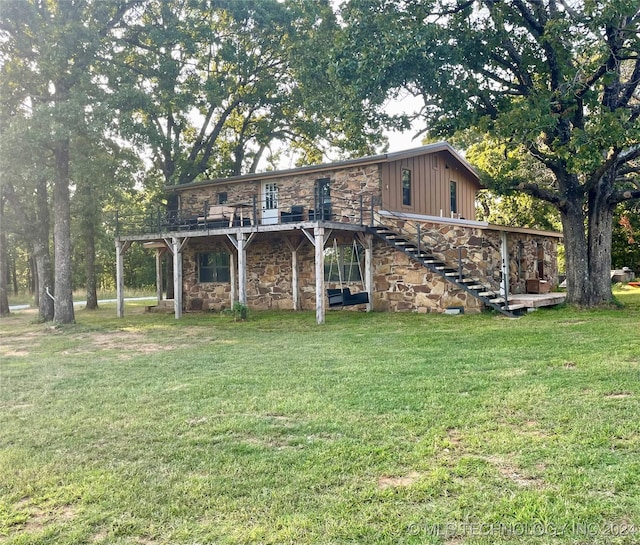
(343, 207)
(439, 246)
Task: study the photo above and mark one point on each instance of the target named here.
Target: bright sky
(400, 141)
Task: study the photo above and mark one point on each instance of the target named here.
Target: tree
(212, 86)
(555, 80)
(626, 238)
(48, 50)
(26, 167)
(502, 205)
(4, 273)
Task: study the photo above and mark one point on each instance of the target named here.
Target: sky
(400, 141)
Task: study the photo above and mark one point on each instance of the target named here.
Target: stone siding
(404, 285)
(478, 250)
(347, 186)
(400, 284)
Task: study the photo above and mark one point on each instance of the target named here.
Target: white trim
(435, 219)
(470, 223)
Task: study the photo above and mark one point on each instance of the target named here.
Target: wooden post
(240, 243)
(242, 269)
(159, 254)
(504, 267)
(294, 244)
(177, 277)
(120, 278)
(318, 233)
(294, 279)
(368, 269)
(234, 281)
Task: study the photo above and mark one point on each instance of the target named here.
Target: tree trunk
(576, 253)
(44, 278)
(4, 288)
(33, 283)
(588, 250)
(90, 266)
(600, 229)
(63, 304)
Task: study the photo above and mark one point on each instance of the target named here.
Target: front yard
(373, 428)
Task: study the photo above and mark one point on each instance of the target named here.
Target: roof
(362, 161)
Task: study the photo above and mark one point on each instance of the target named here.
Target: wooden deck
(536, 300)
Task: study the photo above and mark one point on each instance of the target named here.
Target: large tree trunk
(4, 277)
(63, 304)
(600, 229)
(90, 266)
(576, 253)
(588, 249)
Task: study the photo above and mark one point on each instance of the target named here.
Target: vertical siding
(430, 186)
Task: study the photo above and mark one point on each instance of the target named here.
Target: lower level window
(213, 267)
(343, 262)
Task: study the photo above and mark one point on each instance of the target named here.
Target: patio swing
(343, 297)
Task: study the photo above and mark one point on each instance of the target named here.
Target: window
(213, 267)
(434, 161)
(406, 187)
(222, 197)
(343, 260)
(453, 188)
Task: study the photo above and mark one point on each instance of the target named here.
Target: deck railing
(357, 209)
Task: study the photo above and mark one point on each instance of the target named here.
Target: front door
(270, 212)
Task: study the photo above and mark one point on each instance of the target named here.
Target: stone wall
(524, 263)
(478, 250)
(347, 185)
(401, 284)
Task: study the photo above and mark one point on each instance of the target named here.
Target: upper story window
(406, 187)
(434, 161)
(222, 197)
(213, 267)
(453, 189)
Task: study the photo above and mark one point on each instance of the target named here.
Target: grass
(373, 428)
(24, 298)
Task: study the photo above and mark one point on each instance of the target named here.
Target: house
(392, 232)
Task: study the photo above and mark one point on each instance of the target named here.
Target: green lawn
(373, 428)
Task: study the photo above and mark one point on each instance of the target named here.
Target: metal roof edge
(524, 230)
(361, 161)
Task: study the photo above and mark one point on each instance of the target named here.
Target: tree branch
(540, 193)
(622, 196)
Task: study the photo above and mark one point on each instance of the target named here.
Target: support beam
(233, 267)
(240, 243)
(367, 242)
(294, 245)
(177, 246)
(119, 280)
(121, 248)
(319, 241)
(504, 268)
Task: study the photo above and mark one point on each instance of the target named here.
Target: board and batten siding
(431, 175)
